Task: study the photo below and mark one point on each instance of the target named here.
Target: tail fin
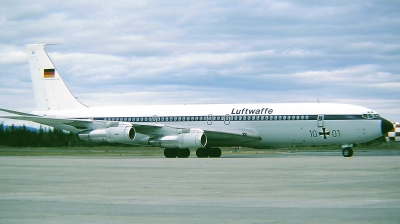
(51, 92)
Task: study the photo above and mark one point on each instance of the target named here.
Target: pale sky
(190, 52)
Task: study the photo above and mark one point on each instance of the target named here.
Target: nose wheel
(347, 152)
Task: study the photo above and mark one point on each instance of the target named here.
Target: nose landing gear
(347, 152)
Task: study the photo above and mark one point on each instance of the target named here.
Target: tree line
(21, 136)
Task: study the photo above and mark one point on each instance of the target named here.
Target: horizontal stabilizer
(16, 112)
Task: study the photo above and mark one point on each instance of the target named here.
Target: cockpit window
(371, 116)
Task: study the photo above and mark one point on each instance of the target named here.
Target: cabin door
(209, 119)
(227, 119)
(320, 120)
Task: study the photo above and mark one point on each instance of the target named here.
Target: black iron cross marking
(324, 133)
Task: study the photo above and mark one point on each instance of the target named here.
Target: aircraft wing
(214, 136)
(234, 136)
(231, 136)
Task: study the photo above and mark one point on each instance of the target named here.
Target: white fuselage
(275, 124)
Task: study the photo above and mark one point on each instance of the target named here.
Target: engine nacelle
(124, 134)
(182, 141)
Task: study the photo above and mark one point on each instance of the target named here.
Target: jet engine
(122, 134)
(183, 141)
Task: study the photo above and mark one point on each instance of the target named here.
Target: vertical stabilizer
(51, 92)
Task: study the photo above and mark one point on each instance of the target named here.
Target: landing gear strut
(208, 152)
(347, 152)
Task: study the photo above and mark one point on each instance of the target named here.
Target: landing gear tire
(347, 152)
(183, 153)
(208, 152)
(215, 153)
(173, 153)
(170, 153)
(202, 153)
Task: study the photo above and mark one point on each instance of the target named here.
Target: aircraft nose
(386, 126)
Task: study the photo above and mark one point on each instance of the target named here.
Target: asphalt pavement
(293, 187)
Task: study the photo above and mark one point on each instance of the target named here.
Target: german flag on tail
(48, 73)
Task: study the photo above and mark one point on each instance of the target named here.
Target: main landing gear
(185, 153)
(347, 152)
(176, 152)
(208, 152)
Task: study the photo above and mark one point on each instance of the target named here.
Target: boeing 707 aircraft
(177, 128)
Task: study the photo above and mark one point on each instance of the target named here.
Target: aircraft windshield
(371, 116)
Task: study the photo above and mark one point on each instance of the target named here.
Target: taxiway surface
(306, 187)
